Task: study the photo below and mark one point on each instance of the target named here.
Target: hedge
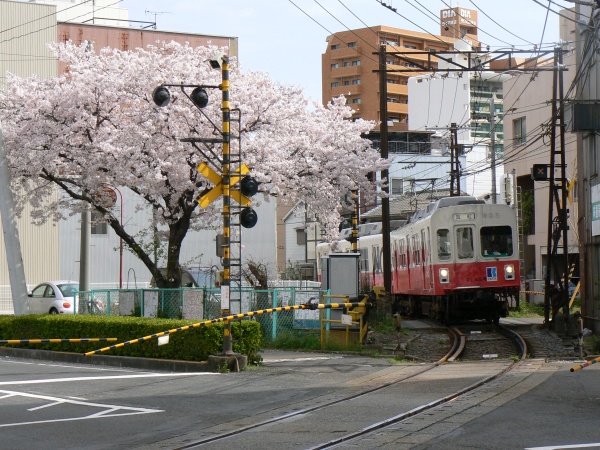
(195, 344)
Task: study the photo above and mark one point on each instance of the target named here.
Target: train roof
(444, 203)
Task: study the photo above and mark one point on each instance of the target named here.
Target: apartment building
(350, 64)
(350, 67)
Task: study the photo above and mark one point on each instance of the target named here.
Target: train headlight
(444, 276)
(509, 272)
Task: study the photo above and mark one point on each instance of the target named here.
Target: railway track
(369, 410)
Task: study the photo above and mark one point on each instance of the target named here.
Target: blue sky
(285, 40)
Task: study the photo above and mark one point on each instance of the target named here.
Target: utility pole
(14, 257)
(383, 147)
(454, 171)
(557, 226)
(493, 148)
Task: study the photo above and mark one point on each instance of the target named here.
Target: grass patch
(527, 310)
(296, 340)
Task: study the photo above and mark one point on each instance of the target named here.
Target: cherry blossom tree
(97, 125)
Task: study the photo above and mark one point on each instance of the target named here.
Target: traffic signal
(161, 96)
(199, 97)
(248, 187)
(539, 172)
(248, 217)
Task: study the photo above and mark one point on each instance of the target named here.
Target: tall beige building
(350, 64)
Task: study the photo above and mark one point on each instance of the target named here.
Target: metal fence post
(274, 330)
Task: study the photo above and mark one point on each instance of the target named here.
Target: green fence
(205, 304)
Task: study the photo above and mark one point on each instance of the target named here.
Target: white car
(53, 297)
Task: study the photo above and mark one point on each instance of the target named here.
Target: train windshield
(496, 241)
(464, 242)
(443, 243)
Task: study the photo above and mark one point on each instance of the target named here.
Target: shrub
(194, 344)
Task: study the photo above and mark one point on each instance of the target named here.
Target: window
(356, 62)
(99, 225)
(363, 260)
(346, 63)
(356, 81)
(346, 82)
(335, 65)
(397, 186)
(351, 44)
(356, 101)
(300, 236)
(414, 47)
(335, 46)
(519, 131)
(335, 84)
(443, 245)
(464, 243)
(496, 241)
(416, 249)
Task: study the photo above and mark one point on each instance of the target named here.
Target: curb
(150, 364)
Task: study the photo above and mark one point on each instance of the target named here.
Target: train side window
(443, 245)
(464, 243)
(496, 241)
(364, 260)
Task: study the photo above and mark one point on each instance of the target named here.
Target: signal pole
(493, 148)
(225, 288)
(383, 147)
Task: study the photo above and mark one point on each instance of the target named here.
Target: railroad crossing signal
(248, 186)
(539, 172)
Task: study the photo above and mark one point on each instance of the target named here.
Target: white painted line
(559, 447)
(107, 410)
(72, 366)
(317, 358)
(46, 406)
(104, 378)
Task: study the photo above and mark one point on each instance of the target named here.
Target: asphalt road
(73, 406)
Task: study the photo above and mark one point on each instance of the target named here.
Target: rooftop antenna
(156, 13)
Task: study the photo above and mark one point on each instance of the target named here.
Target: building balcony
(352, 89)
(350, 71)
(398, 89)
(397, 108)
(347, 52)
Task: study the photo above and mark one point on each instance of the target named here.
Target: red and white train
(456, 260)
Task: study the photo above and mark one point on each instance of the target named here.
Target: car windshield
(68, 290)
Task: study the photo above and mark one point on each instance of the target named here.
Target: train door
(427, 269)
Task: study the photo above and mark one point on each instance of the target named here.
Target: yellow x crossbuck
(217, 180)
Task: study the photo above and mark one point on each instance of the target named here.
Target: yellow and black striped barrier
(532, 292)
(312, 306)
(53, 341)
(585, 364)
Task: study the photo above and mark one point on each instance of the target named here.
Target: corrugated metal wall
(25, 29)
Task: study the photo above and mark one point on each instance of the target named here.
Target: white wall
(199, 247)
(436, 103)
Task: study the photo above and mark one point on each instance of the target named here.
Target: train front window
(443, 245)
(496, 241)
(464, 243)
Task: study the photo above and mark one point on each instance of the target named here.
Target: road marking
(316, 358)
(71, 366)
(104, 378)
(559, 447)
(46, 406)
(106, 410)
